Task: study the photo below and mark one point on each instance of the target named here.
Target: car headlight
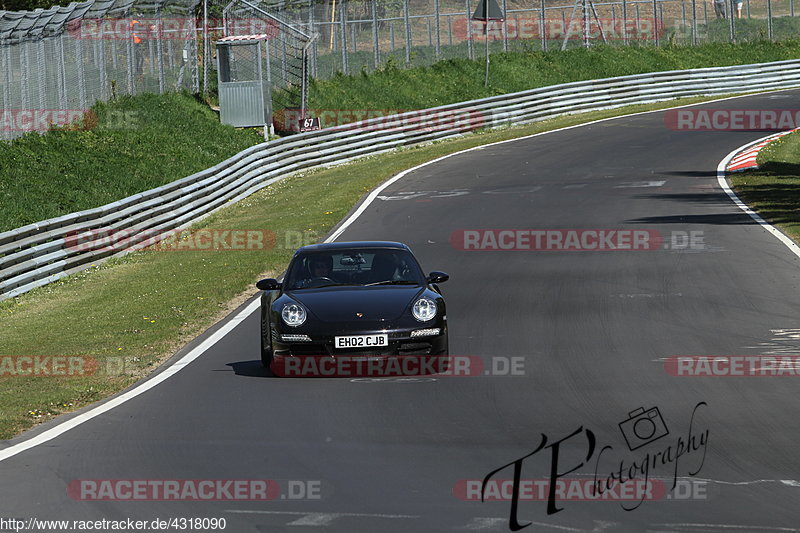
(293, 314)
(424, 309)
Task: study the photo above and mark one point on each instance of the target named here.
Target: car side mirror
(268, 284)
(437, 277)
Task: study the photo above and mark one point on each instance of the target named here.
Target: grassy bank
(457, 80)
(774, 189)
(123, 147)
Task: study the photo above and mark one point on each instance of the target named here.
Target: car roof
(334, 246)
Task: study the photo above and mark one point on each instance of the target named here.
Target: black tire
(266, 343)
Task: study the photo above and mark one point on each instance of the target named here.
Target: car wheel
(266, 343)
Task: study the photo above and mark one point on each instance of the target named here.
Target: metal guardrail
(37, 254)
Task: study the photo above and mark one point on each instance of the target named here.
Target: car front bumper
(404, 355)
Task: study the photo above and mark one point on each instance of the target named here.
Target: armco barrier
(37, 254)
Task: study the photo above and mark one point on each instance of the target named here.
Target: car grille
(401, 348)
(309, 349)
(414, 348)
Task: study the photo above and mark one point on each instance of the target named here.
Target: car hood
(340, 304)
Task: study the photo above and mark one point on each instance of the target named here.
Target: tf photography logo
(628, 483)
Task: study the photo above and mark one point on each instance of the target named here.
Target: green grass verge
(134, 312)
(457, 80)
(774, 189)
(123, 147)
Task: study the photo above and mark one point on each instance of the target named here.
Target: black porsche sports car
(352, 300)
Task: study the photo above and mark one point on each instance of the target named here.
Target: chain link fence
(362, 35)
(56, 63)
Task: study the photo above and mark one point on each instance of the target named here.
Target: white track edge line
(196, 352)
(723, 183)
(168, 372)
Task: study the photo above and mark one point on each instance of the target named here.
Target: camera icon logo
(643, 427)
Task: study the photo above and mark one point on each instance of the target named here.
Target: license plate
(361, 341)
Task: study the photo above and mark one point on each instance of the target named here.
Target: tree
(26, 5)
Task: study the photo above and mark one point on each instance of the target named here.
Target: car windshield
(362, 266)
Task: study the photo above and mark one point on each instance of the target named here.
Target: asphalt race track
(588, 330)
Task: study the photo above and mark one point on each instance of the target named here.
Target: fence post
(206, 48)
(343, 34)
(268, 58)
(450, 30)
(625, 22)
(585, 24)
(170, 54)
(304, 84)
(131, 62)
(101, 63)
(160, 51)
(284, 61)
(613, 18)
(731, 23)
(683, 16)
(313, 64)
(193, 57)
(81, 74)
(438, 26)
(542, 23)
(505, 26)
(4, 67)
(407, 22)
(769, 19)
(470, 52)
(7, 84)
(705, 15)
(375, 46)
(655, 22)
(23, 79)
(694, 22)
(151, 56)
(41, 74)
(114, 51)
